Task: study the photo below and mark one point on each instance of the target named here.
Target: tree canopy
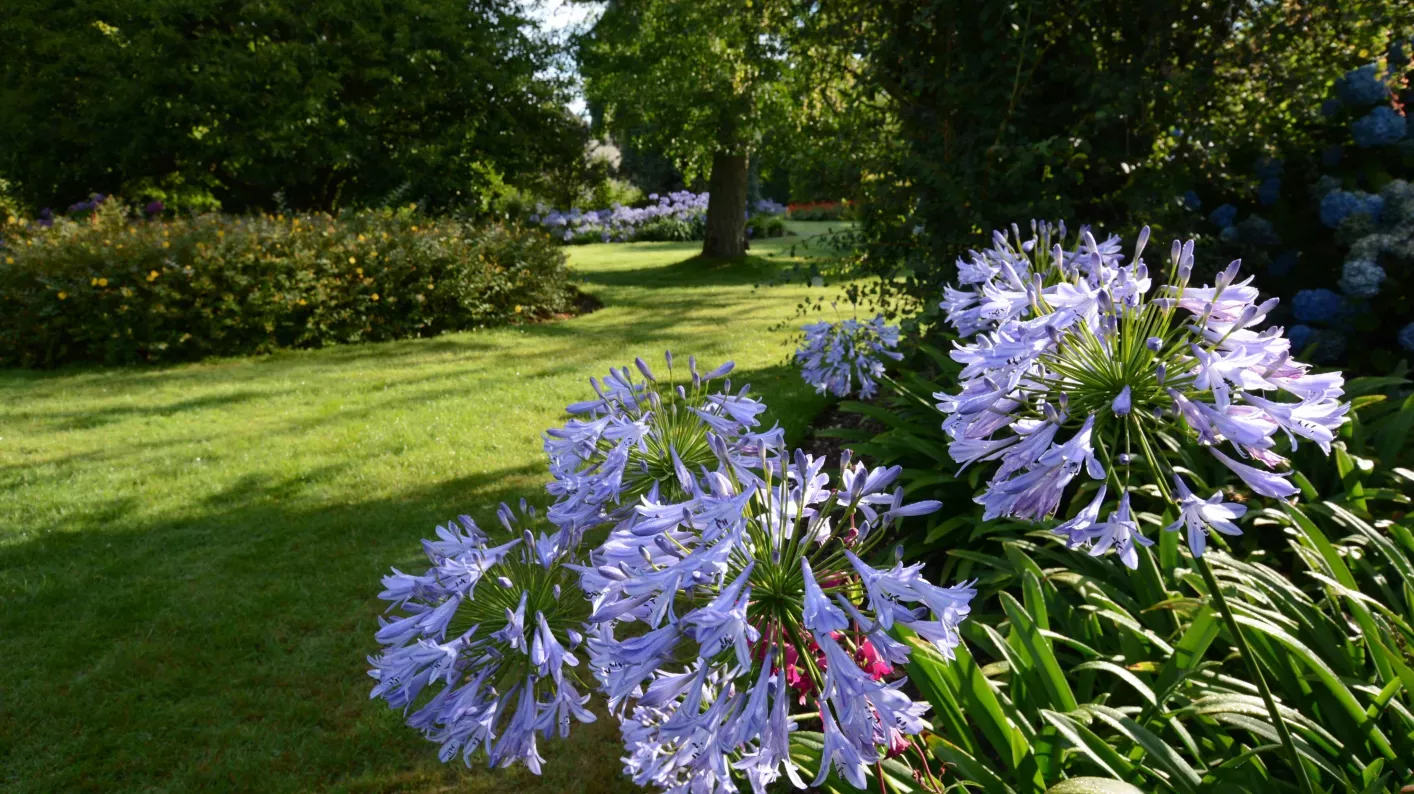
(332, 103)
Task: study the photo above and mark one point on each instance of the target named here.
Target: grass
(189, 555)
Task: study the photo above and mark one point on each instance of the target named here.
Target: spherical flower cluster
(1362, 87)
(835, 355)
(629, 442)
(1318, 306)
(719, 614)
(1406, 337)
(1223, 216)
(1337, 205)
(1093, 363)
(1191, 201)
(489, 632)
(729, 602)
(1380, 127)
(1361, 278)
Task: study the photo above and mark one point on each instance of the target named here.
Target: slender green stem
(1255, 670)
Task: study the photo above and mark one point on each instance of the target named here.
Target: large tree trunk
(726, 207)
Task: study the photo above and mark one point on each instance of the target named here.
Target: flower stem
(1253, 669)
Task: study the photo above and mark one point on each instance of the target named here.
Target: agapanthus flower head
(847, 357)
(1100, 364)
(485, 649)
(642, 436)
(728, 617)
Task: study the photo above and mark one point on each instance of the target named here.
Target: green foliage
(1077, 667)
(690, 78)
(1103, 114)
(763, 226)
(113, 288)
(335, 104)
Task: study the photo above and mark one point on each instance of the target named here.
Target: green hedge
(115, 288)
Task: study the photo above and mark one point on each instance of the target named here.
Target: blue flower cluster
(1223, 216)
(622, 224)
(1406, 337)
(1361, 278)
(1361, 87)
(834, 355)
(1337, 205)
(1074, 351)
(1318, 306)
(726, 602)
(1380, 127)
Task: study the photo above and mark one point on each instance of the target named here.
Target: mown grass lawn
(189, 555)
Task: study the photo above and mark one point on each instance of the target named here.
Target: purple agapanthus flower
(847, 357)
(1081, 362)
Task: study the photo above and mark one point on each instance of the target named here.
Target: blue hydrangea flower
(1300, 336)
(1361, 87)
(1191, 201)
(1330, 107)
(1361, 278)
(1341, 204)
(1223, 216)
(1229, 234)
(1380, 127)
(1269, 191)
(1406, 337)
(483, 652)
(1284, 263)
(1318, 305)
(1047, 395)
(835, 355)
(1269, 167)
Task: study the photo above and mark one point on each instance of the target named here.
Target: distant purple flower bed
(677, 216)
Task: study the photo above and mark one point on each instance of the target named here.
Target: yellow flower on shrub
(375, 296)
(63, 295)
(153, 275)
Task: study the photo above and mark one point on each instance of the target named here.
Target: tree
(332, 103)
(704, 80)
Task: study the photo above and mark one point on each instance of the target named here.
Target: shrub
(111, 287)
(761, 226)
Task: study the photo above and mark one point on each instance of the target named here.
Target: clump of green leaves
(117, 288)
(1074, 668)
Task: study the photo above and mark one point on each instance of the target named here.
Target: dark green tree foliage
(1098, 112)
(1028, 110)
(334, 103)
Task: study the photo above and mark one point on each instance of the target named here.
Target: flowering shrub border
(114, 286)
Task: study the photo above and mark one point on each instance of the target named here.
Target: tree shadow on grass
(225, 649)
(696, 271)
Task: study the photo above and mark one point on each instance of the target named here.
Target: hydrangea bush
(1082, 363)
(1349, 274)
(718, 591)
(833, 356)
